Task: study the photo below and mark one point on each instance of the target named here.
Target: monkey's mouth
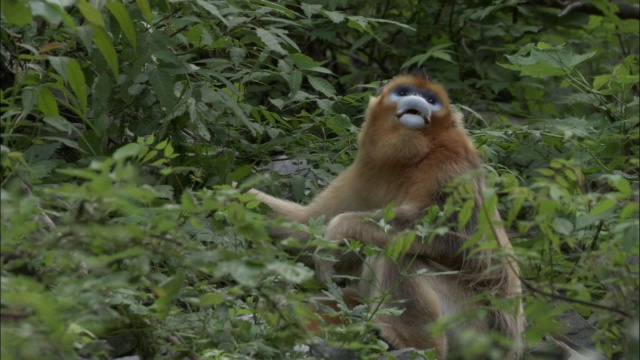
(413, 112)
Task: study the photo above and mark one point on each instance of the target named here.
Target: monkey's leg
(383, 282)
(351, 298)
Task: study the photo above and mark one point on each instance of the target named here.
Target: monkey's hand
(344, 226)
(368, 227)
(337, 231)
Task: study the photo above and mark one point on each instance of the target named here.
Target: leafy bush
(123, 124)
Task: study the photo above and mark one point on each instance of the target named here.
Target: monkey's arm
(443, 249)
(340, 196)
(292, 211)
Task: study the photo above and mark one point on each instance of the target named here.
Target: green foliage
(123, 124)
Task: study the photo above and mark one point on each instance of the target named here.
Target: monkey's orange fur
(410, 168)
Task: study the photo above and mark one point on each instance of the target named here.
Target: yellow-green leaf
(465, 213)
(104, 44)
(16, 12)
(623, 186)
(77, 83)
(47, 103)
(127, 151)
(119, 11)
(146, 10)
(322, 85)
(271, 41)
(162, 85)
(602, 206)
(90, 13)
(59, 123)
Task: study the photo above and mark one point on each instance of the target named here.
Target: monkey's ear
(381, 86)
(458, 119)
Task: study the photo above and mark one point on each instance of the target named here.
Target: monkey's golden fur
(410, 168)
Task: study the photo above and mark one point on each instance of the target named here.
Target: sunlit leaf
(104, 44)
(271, 41)
(322, 85)
(47, 103)
(90, 13)
(77, 83)
(16, 12)
(145, 8)
(160, 80)
(120, 12)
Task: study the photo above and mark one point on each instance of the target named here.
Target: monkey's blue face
(414, 105)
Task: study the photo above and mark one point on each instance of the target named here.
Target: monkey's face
(405, 119)
(414, 105)
(414, 101)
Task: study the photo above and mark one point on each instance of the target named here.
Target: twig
(534, 289)
(51, 226)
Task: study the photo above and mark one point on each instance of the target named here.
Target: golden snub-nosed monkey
(412, 144)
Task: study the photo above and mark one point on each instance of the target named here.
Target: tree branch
(625, 11)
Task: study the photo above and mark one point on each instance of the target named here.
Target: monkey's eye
(430, 97)
(402, 91)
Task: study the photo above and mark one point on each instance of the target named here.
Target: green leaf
(16, 12)
(562, 226)
(437, 51)
(322, 85)
(336, 17)
(162, 85)
(293, 273)
(241, 172)
(167, 292)
(67, 142)
(120, 12)
(389, 213)
(399, 246)
(295, 81)
(100, 93)
(244, 273)
(53, 13)
(396, 23)
(630, 210)
(168, 150)
(290, 14)
(304, 62)
(104, 44)
(100, 261)
(77, 83)
(128, 151)
(213, 10)
(601, 80)
(310, 10)
(602, 206)
(545, 172)
(47, 103)
(145, 8)
(79, 173)
(59, 123)
(465, 213)
(59, 64)
(271, 41)
(90, 13)
(550, 62)
(186, 199)
(213, 299)
(298, 185)
(622, 185)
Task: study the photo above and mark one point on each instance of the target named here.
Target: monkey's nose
(413, 112)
